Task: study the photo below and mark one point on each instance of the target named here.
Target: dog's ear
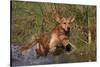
(58, 18)
(72, 19)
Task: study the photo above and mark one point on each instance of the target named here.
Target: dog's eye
(64, 23)
(68, 23)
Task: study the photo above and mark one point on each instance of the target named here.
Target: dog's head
(65, 22)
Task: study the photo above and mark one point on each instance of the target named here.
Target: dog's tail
(29, 45)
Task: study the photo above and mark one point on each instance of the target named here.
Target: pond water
(30, 57)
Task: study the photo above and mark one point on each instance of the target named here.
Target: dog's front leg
(65, 43)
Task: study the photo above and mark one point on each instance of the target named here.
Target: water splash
(29, 58)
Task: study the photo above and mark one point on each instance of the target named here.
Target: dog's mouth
(68, 28)
(67, 32)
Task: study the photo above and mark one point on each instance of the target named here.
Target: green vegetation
(30, 18)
